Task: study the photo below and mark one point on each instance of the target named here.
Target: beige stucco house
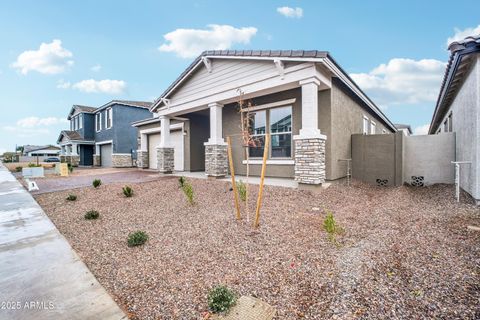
(303, 99)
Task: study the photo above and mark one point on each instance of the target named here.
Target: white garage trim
(155, 130)
(105, 142)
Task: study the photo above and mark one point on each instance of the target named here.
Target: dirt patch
(405, 253)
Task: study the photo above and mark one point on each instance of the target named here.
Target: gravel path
(405, 253)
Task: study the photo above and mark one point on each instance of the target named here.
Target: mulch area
(405, 253)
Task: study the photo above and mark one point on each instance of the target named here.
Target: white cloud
(96, 68)
(402, 81)
(189, 43)
(34, 126)
(421, 130)
(291, 12)
(50, 58)
(26, 132)
(61, 84)
(462, 34)
(31, 122)
(101, 86)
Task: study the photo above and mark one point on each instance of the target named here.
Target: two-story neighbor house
(458, 110)
(104, 135)
(303, 99)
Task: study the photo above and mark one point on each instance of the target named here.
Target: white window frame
(98, 122)
(365, 125)
(108, 115)
(373, 127)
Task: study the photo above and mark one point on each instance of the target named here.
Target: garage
(176, 138)
(106, 155)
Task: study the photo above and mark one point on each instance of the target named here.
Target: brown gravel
(405, 254)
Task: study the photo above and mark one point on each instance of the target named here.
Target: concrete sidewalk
(41, 277)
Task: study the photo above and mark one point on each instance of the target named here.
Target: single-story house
(404, 128)
(41, 151)
(303, 99)
(458, 109)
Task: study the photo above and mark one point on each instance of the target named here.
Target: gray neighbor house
(458, 110)
(102, 136)
(303, 99)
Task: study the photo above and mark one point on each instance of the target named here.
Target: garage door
(176, 138)
(106, 155)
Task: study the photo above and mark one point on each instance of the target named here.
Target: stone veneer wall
(216, 161)
(310, 161)
(73, 160)
(96, 160)
(165, 160)
(142, 159)
(121, 160)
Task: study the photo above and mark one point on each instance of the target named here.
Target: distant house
(41, 151)
(404, 128)
(103, 136)
(458, 109)
(303, 99)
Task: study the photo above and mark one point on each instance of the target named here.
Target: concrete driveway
(83, 177)
(41, 277)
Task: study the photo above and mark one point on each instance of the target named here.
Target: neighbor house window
(373, 126)
(365, 125)
(108, 118)
(98, 121)
(279, 126)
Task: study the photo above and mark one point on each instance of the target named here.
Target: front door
(86, 155)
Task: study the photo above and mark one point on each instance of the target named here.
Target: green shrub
(221, 299)
(331, 226)
(188, 190)
(127, 191)
(34, 165)
(96, 183)
(71, 197)
(70, 167)
(182, 181)
(18, 169)
(92, 215)
(242, 190)
(137, 238)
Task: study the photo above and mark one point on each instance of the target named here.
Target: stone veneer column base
(96, 161)
(122, 160)
(216, 161)
(142, 159)
(73, 160)
(165, 159)
(310, 160)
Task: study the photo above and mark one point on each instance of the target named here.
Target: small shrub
(70, 167)
(188, 190)
(137, 238)
(92, 215)
(331, 226)
(71, 197)
(96, 183)
(34, 165)
(242, 190)
(221, 299)
(18, 169)
(127, 191)
(182, 181)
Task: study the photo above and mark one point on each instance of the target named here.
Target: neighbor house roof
(461, 54)
(404, 126)
(137, 104)
(291, 55)
(30, 148)
(80, 108)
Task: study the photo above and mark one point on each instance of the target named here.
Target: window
(280, 129)
(71, 124)
(445, 125)
(77, 121)
(365, 125)
(98, 121)
(108, 118)
(373, 126)
(450, 123)
(80, 121)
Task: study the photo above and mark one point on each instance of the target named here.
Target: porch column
(216, 163)
(165, 152)
(142, 152)
(310, 143)
(97, 161)
(74, 150)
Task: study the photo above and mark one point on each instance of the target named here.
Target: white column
(74, 150)
(164, 132)
(143, 142)
(97, 149)
(310, 108)
(68, 149)
(216, 137)
(62, 150)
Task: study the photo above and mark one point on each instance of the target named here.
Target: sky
(54, 54)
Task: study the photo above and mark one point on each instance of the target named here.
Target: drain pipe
(457, 177)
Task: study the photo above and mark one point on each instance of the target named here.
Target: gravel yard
(404, 254)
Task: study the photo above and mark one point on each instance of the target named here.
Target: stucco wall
(346, 119)
(466, 124)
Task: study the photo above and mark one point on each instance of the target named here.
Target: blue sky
(96, 51)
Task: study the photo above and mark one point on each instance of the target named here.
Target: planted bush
(137, 238)
(70, 167)
(331, 226)
(181, 181)
(92, 215)
(71, 197)
(18, 169)
(127, 191)
(34, 165)
(221, 299)
(188, 190)
(242, 190)
(96, 183)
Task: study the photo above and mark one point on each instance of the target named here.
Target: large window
(108, 118)
(98, 121)
(279, 126)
